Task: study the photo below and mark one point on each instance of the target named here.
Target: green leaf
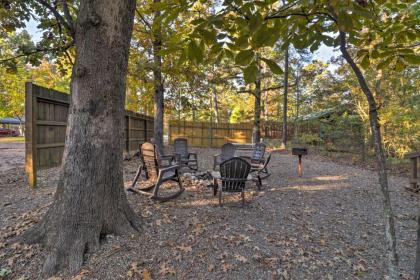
(244, 57)
(384, 63)
(365, 61)
(345, 21)
(261, 37)
(273, 66)
(412, 59)
(399, 65)
(195, 53)
(208, 36)
(251, 73)
(255, 21)
(242, 41)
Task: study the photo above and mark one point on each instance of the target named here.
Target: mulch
(325, 225)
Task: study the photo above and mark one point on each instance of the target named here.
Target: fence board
(46, 113)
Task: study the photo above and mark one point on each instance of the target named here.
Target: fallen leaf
(184, 248)
(147, 275)
(241, 258)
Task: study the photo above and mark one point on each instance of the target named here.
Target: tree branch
(58, 16)
(38, 50)
(145, 22)
(68, 16)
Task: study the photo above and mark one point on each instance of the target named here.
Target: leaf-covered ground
(325, 225)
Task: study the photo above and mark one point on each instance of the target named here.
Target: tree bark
(256, 131)
(417, 265)
(158, 83)
(297, 82)
(380, 160)
(215, 105)
(90, 201)
(286, 88)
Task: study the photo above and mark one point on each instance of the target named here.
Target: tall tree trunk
(256, 131)
(158, 83)
(297, 82)
(286, 89)
(215, 105)
(417, 266)
(90, 201)
(380, 160)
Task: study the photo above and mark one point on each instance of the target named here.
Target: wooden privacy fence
(46, 112)
(208, 134)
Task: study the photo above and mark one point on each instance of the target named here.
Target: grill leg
(220, 197)
(243, 198)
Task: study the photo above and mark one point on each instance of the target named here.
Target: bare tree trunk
(380, 160)
(90, 201)
(256, 131)
(286, 88)
(297, 81)
(216, 105)
(158, 84)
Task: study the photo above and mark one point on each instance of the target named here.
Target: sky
(324, 53)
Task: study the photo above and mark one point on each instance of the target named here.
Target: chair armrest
(169, 168)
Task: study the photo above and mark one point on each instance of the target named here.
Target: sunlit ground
(12, 139)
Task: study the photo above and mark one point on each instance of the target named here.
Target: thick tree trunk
(380, 160)
(158, 83)
(90, 201)
(417, 265)
(297, 82)
(256, 131)
(286, 88)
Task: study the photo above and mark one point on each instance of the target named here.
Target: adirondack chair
(228, 152)
(257, 154)
(260, 170)
(184, 157)
(156, 172)
(233, 176)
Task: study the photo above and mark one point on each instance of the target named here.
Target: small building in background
(15, 124)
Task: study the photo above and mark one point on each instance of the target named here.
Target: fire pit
(299, 152)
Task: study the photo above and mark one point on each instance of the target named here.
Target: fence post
(30, 133)
(145, 130)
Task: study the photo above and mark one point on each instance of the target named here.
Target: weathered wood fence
(208, 134)
(46, 112)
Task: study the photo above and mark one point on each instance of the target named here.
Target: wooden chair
(233, 176)
(184, 157)
(260, 170)
(157, 172)
(258, 153)
(228, 152)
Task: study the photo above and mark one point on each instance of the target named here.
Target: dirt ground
(12, 155)
(325, 225)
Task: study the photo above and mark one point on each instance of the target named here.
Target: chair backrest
(228, 151)
(181, 147)
(149, 158)
(258, 151)
(234, 173)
